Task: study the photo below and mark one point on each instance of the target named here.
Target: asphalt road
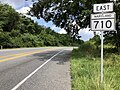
(35, 69)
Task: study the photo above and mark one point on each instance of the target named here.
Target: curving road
(35, 69)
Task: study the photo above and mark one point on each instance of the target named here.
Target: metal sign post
(101, 69)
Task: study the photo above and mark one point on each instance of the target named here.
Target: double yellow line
(9, 57)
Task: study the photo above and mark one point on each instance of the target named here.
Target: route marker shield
(103, 21)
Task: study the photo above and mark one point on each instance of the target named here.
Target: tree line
(17, 30)
(74, 15)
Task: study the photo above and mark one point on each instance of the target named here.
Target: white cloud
(14, 3)
(56, 29)
(86, 34)
(62, 31)
(24, 10)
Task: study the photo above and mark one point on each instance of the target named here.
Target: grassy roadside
(85, 69)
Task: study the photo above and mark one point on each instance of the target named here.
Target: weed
(85, 69)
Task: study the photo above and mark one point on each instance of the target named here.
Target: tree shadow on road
(59, 59)
(63, 57)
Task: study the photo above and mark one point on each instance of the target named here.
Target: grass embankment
(85, 69)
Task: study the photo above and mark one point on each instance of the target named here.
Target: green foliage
(64, 13)
(8, 17)
(72, 15)
(85, 69)
(5, 39)
(88, 50)
(95, 40)
(17, 30)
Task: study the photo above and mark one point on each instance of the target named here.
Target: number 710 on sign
(103, 24)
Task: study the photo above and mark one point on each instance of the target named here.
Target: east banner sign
(106, 7)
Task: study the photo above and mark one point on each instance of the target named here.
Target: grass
(85, 70)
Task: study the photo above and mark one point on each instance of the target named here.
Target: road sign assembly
(103, 19)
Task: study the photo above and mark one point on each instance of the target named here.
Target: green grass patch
(85, 69)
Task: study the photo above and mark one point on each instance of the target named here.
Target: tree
(72, 15)
(5, 40)
(17, 30)
(113, 37)
(8, 17)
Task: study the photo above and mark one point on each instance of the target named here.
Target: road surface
(35, 69)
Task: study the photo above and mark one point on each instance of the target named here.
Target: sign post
(101, 67)
(103, 21)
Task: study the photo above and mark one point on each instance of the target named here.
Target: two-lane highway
(35, 69)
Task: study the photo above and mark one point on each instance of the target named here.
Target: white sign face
(103, 24)
(106, 7)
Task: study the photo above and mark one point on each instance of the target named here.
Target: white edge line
(25, 79)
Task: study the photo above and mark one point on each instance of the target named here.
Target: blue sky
(23, 6)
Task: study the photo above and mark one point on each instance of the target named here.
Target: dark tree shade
(72, 15)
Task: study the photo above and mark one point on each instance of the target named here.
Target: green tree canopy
(17, 30)
(72, 15)
(8, 17)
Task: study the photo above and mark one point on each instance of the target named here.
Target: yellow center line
(1, 56)
(19, 54)
(24, 54)
(16, 54)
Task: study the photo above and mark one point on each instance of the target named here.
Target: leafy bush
(5, 40)
(85, 69)
(89, 50)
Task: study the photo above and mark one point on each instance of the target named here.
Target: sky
(22, 6)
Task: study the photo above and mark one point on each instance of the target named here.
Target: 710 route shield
(103, 21)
